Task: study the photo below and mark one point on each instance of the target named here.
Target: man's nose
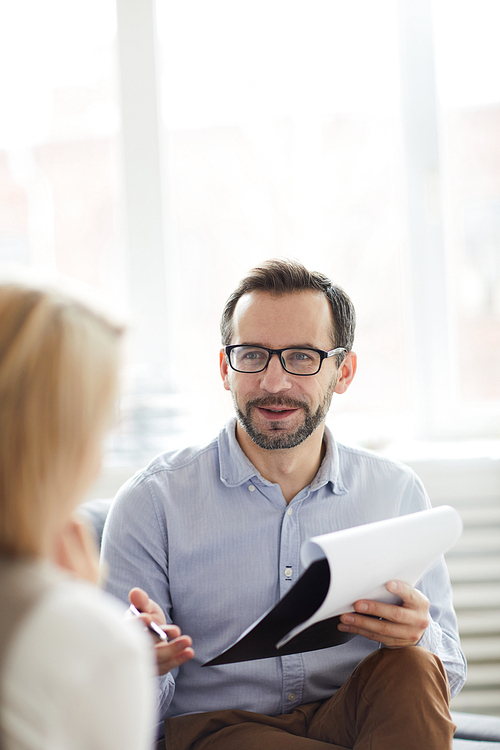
(275, 378)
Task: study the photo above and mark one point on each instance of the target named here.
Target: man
(214, 534)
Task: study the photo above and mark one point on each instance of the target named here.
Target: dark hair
(279, 277)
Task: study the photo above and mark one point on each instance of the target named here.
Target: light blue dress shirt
(216, 545)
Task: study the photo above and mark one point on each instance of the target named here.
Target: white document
(364, 558)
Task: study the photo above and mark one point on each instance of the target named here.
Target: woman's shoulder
(74, 662)
(72, 611)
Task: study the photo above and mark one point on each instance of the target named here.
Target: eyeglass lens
(296, 361)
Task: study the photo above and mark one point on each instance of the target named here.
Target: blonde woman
(73, 674)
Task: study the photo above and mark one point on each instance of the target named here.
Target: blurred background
(155, 151)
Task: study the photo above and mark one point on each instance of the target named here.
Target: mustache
(268, 401)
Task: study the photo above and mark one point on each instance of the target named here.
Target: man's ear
(224, 369)
(347, 371)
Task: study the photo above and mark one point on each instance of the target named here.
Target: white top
(77, 677)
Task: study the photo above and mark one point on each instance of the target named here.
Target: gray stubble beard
(280, 441)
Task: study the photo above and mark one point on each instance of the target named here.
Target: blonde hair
(58, 374)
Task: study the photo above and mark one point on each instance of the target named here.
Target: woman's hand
(75, 550)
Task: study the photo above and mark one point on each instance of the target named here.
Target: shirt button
(291, 696)
(289, 512)
(251, 488)
(288, 572)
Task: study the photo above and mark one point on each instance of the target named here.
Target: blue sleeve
(135, 553)
(441, 637)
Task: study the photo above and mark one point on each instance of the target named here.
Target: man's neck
(291, 468)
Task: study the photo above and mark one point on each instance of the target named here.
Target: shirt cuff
(166, 687)
(431, 637)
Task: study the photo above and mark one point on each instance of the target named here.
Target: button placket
(289, 549)
(292, 665)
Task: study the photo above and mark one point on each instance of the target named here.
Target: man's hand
(177, 649)
(398, 626)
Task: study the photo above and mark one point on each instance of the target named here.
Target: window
(356, 137)
(468, 85)
(283, 141)
(58, 141)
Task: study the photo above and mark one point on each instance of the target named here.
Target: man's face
(276, 409)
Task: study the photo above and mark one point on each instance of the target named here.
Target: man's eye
(300, 356)
(252, 355)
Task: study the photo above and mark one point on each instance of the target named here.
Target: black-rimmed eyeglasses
(245, 358)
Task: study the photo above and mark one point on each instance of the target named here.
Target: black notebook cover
(364, 558)
(302, 601)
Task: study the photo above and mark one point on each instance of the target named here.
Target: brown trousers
(396, 699)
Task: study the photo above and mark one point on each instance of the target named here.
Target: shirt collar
(235, 467)
(329, 471)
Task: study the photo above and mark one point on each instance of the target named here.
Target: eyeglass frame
(322, 353)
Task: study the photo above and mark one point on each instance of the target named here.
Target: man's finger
(173, 654)
(139, 599)
(411, 596)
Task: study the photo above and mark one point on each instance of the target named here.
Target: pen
(153, 627)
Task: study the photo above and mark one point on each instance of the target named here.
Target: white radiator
(472, 486)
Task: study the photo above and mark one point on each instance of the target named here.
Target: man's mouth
(276, 409)
(275, 412)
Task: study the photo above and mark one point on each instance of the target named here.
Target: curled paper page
(363, 559)
(341, 568)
